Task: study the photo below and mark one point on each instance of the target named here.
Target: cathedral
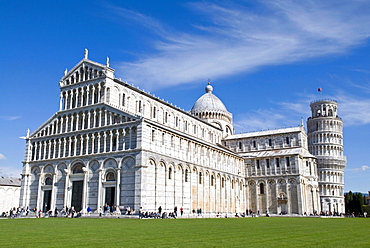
(113, 144)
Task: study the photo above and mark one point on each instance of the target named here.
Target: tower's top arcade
(324, 108)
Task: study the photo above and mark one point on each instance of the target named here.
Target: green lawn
(238, 232)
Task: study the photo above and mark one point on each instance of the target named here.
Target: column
(53, 194)
(130, 135)
(69, 146)
(98, 151)
(75, 146)
(35, 151)
(70, 99)
(105, 117)
(39, 192)
(110, 141)
(93, 95)
(94, 121)
(105, 142)
(87, 96)
(99, 189)
(61, 101)
(61, 125)
(64, 148)
(85, 189)
(81, 145)
(99, 94)
(77, 122)
(88, 119)
(66, 189)
(118, 186)
(100, 118)
(117, 140)
(87, 144)
(92, 143)
(83, 121)
(49, 149)
(45, 148)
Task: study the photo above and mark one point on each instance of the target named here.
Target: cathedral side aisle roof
(264, 133)
(279, 152)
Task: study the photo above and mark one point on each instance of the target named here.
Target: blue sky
(265, 60)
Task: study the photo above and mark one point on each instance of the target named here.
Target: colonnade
(84, 144)
(82, 74)
(82, 96)
(280, 195)
(332, 138)
(331, 176)
(327, 150)
(78, 121)
(194, 188)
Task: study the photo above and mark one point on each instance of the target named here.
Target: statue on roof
(86, 53)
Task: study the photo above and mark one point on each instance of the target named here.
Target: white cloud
(362, 168)
(2, 156)
(240, 41)
(10, 118)
(261, 119)
(354, 110)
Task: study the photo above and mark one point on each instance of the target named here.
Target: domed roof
(208, 102)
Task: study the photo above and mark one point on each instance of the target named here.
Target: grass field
(231, 232)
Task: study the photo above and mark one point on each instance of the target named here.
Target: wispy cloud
(290, 113)
(2, 157)
(362, 168)
(237, 40)
(262, 120)
(10, 118)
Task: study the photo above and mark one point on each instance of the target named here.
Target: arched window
(123, 99)
(170, 173)
(262, 188)
(48, 181)
(110, 176)
(200, 178)
(154, 111)
(77, 169)
(186, 175)
(212, 180)
(139, 107)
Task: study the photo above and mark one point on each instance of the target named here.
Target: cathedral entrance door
(47, 201)
(77, 188)
(109, 196)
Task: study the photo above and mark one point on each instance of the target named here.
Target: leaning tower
(325, 141)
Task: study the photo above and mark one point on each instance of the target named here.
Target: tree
(355, 203)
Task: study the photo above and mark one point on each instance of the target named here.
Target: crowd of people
(106, 210)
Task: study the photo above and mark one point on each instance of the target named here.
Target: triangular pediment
(85, 70)
(51, 126)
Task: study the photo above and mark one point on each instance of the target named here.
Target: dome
(208, 102)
